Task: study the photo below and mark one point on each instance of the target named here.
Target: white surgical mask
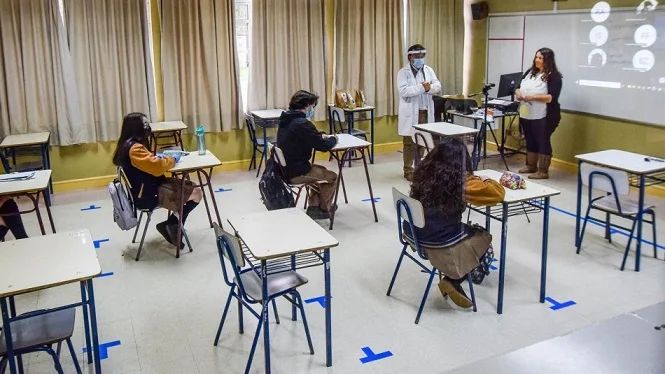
(418, 63)
(310, 113)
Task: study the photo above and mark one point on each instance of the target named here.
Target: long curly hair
(438, 181)
(549, 65)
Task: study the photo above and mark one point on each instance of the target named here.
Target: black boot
(13, 219)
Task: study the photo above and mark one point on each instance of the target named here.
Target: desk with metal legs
(534, 198)
(283, 240)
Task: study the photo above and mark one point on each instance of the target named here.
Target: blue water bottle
(201, 140)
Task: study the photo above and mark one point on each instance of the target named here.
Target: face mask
(418, 63)
(310, 113)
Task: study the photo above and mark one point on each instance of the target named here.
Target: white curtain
(108, 44)
(199, 64)
(369, 50)
(439, 26)
(37, 84)
(287, 53)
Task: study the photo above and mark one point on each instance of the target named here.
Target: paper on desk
(12, 177)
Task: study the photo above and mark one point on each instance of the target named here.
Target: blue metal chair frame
(401, 204)
(258, 146)
(237, 291)
(608, 224)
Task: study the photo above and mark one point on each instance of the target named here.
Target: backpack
(274, 192)
(124, 214)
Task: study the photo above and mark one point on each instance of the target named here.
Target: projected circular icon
(598, 35)
(597, 58)
(662, 80)
(601, 11)
(646, 35)
(644, 60)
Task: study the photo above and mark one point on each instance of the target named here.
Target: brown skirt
(170, 193)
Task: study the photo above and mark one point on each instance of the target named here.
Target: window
(243, 16)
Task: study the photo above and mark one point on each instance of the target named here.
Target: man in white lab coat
(416, 83)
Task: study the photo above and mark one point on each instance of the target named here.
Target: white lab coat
(409, 98)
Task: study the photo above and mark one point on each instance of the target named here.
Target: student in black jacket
(298, 138)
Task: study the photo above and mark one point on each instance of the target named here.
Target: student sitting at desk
(145, 171)
(298, 138)
(10, 219)
(444, 183)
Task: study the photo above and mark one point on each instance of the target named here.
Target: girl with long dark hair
(444, 183)
(145, 171)
(540, 112)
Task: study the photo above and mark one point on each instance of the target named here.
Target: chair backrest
(251, 129)
(338, 119)
(411, 210)
(229, 248)
(423, 139)
(605, 179)
(279, 156)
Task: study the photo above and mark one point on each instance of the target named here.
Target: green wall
(578, 133)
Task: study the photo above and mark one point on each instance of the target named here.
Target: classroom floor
(160, 315)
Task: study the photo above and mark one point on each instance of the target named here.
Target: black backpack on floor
(274, 192)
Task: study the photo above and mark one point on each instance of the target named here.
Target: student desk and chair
(285, 240)
(32, 185)
(350, 118)
(43, 262)
(13, 144)
(171, 131)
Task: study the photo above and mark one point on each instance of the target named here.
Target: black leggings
(13, 220)
(538, 136)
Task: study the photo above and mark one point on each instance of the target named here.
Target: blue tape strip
(376, 199)
(102, 275)
(557, 305)
(91, 207)
(321, 300)
(99, 242)
(371, 356)
(492, 267)
(103, 349)
(223, 190)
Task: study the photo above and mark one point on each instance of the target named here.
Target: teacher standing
(540, 112)
(416, 83)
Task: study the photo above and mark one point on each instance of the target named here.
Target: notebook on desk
(13, 177)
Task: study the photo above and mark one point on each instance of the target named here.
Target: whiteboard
(506, 27)
(614, 83)
(507, 59)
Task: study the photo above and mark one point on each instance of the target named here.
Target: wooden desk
(165, 130)
(283, 233)
(203, 166)
(646, 173)
(34, 140)
(482, 136)
(624, 344)
(266, 119)
(48, 261)
(451, 130)
(533, 199)
(346, 145)
(31, 188)
(350, 119)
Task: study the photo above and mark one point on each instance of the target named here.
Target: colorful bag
(512, 181)
(341, 100)
(360, 98)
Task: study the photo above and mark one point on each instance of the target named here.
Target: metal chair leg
(586, 218)
(263, 156)
(221, 323)
(473, 294)
(274, 309)
(399, 263)
(145, 230)
(241, 324)
(653, 227)
(608, 228)
(422, 303)
(56, 361)
(138, 225)
(184, 235)
(630, 241)
(298, 300)
(256, 340)
(72, 351)
(252, 161)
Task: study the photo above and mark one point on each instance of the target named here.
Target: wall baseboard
(237, 165)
